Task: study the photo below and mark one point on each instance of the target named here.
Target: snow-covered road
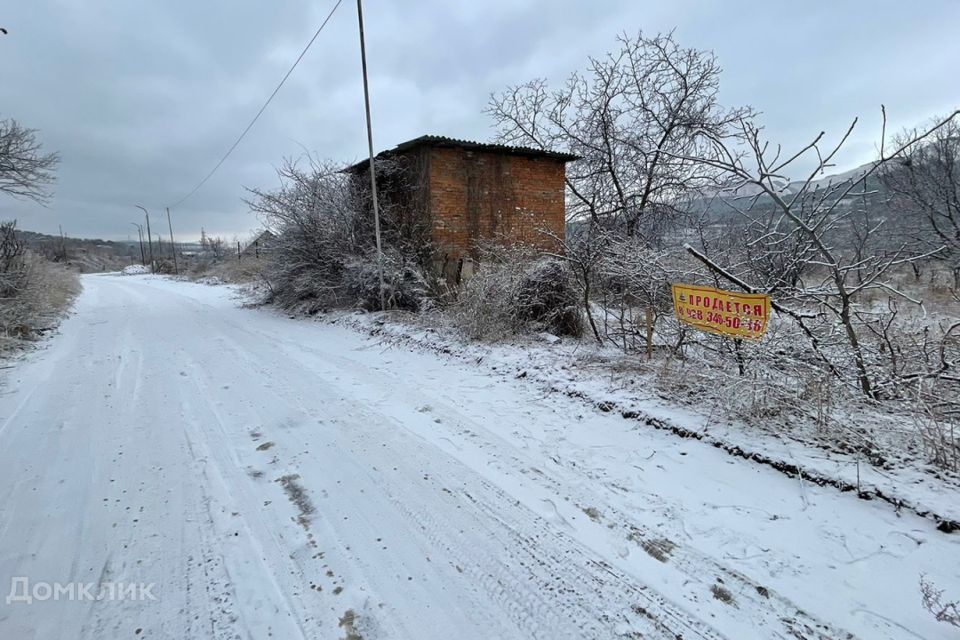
(287, 479)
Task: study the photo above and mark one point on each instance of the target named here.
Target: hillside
(85, 255)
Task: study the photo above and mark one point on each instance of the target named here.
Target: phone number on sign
(723, 320)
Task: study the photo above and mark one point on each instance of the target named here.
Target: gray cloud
(142, 98)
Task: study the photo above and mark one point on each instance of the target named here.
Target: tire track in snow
(768, 608)
(560, 600)
(221, 466)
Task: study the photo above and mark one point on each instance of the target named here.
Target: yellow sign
(726, 313)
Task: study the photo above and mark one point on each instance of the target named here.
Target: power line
(260, 112)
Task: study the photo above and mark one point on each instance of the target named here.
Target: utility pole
(173, 246)
(143, 257)
(373, 173)
(149, 236)
(63, 243)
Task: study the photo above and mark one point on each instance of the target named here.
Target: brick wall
(478, 195)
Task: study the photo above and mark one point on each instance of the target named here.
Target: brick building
(448, 194)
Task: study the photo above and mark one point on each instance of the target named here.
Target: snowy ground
(289, 479)
(653, 392)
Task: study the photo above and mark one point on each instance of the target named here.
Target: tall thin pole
(173, 246)
(373, 173)
(149, 236)
(63, 243)
(150, 244)
(143, 258)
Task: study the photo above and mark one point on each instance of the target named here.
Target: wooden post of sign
(738, 354)
(649, 319)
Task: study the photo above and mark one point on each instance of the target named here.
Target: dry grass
(228, 270)
(41, 292)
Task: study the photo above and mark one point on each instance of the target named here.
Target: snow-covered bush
(404, 284)
(484, 308)
(134, 270)
(630, 279)
(512, 292)
(323, 254)
(33, 290)
(211, 281)
(12, 255)
(547, 298)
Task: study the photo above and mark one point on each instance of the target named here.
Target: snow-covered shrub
(512, 292)
(547, 298)
(165, 266)
(935, 419)
(323, 254)
(631, 279)
(134, 270)
(12, 255)
(34, 291)
(404, 284)
(249, 270)
(316, 216)
(484, 308)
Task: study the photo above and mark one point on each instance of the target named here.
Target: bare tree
(812, 219)
(924, 186)
(25, 170)
(217, 246)
(634, 117)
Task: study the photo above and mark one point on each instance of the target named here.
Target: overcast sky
(142, 98)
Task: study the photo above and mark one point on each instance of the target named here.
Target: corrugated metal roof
(443, 141)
